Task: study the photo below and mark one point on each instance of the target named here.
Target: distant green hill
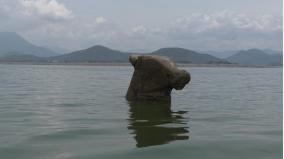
(256, 57)
(93, 54)
(181, 55)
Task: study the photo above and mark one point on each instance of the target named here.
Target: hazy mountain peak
(12, 38)
(97, 53)
(175, 49)
(11, 41)
(255, 57)
(98, 48)
(9, 34)
(253, 51)
(12, 53)
(187, 56)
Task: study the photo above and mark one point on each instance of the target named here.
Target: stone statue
(154, 78)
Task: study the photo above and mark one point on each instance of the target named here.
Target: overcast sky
(147, 24)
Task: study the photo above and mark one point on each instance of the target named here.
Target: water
(71, 112)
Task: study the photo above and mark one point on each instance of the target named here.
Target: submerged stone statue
(154, 78)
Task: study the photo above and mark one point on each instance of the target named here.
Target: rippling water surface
(71, 112)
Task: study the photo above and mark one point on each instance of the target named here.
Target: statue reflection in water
(154, 123)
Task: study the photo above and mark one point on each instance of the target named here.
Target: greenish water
(71, 112)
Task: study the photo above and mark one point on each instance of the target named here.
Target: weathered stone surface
(154, 78)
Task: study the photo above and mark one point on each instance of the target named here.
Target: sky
(136, 25)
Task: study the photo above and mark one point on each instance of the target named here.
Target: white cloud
(46, 8)
(100, 20)
(218, 31)
(197, 23)
(139, 29)
(4, 7)
(75, 34)
(45, 24)
(225, 31)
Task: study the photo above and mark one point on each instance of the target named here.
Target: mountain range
(14, 48)
(100, 53)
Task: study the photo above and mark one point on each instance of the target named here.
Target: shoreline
(128, 64)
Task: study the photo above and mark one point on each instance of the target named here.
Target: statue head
(154, 78)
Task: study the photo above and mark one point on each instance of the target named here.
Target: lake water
(74, 112)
